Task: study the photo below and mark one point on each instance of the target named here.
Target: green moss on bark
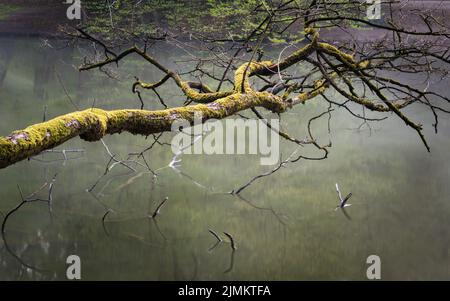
(93, 124)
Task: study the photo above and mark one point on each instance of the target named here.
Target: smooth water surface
(285, 226)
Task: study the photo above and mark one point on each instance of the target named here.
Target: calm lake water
(285, 227)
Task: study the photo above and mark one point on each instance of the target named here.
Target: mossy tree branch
(93, 124)
(335, 67)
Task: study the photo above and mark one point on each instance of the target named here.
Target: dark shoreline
(42, 18)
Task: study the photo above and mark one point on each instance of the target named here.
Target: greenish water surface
(285, 227)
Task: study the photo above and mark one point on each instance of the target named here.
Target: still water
(285, 226)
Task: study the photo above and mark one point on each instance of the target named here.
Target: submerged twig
(233, 244)
(158, 209)
(215, 235)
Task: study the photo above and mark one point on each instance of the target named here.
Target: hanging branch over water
(364, 74)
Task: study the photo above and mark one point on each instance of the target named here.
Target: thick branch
(93, 124)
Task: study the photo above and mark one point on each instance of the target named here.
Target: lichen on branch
(333, 65)
(93, 124)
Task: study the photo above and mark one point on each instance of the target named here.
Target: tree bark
(93, 124)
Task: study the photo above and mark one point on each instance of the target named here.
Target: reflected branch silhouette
(25, 200)
(231, 266)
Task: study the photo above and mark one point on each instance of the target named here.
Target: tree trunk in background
(6, 54)
(42, 73)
